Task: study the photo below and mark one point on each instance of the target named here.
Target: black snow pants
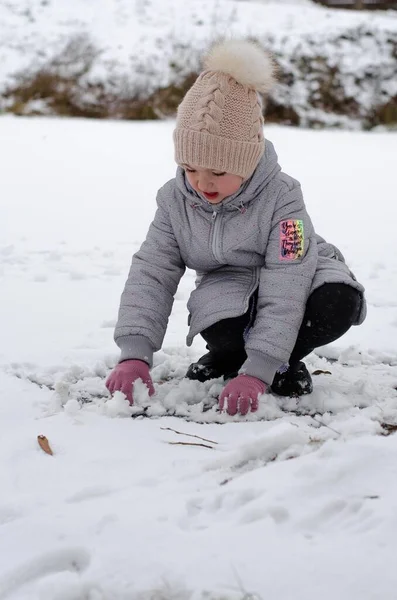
(330, 311)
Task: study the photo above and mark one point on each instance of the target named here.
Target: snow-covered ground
(295, 505)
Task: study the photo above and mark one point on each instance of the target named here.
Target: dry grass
(63, 87)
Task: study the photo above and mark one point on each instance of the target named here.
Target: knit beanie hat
(219, 122)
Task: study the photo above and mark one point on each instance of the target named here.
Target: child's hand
(241, 394)
(125, 373)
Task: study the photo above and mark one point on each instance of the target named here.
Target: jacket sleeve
(284, 287)
(148, 295)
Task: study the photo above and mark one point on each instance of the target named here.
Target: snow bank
(135, 60)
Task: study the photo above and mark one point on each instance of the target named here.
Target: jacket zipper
(216, 250)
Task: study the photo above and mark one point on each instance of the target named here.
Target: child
(269, 289)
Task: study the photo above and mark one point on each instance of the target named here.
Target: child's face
(212, 185)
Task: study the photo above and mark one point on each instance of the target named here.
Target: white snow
(297, 504)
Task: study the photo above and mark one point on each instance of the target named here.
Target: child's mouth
(210, 195)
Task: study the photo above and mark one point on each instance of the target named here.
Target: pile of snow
(134, 59)
(342, 386)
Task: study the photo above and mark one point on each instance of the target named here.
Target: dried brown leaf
(44, 444)
(389, 428)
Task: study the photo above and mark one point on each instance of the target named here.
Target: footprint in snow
(91, 493)
(356, 515)
(69, 559)
(8, 514)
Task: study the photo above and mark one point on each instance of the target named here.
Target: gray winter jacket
(261, 237)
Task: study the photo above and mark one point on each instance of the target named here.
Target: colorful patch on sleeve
(291, 239)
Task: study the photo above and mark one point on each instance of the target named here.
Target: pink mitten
(125, 373)
(241, 394)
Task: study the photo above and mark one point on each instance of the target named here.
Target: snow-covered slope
(112, 58)
(289, 507)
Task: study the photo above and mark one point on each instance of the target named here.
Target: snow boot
(212, 366)
(294, 381)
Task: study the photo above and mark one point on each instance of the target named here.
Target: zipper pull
(214, 215)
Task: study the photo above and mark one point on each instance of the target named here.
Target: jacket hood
(267, 168)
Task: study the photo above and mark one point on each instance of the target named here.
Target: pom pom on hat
(245, 61)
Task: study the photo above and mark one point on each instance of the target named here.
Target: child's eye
(219, 174)
(189, 170)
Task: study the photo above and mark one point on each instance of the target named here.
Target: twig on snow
(190, 444)
(247, 595)
(325, 425)
(188, 434)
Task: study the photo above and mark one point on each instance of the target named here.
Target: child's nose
(205, 182)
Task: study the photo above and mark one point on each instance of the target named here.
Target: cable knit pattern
(220, 124)
(256, 133)
(209, 109)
